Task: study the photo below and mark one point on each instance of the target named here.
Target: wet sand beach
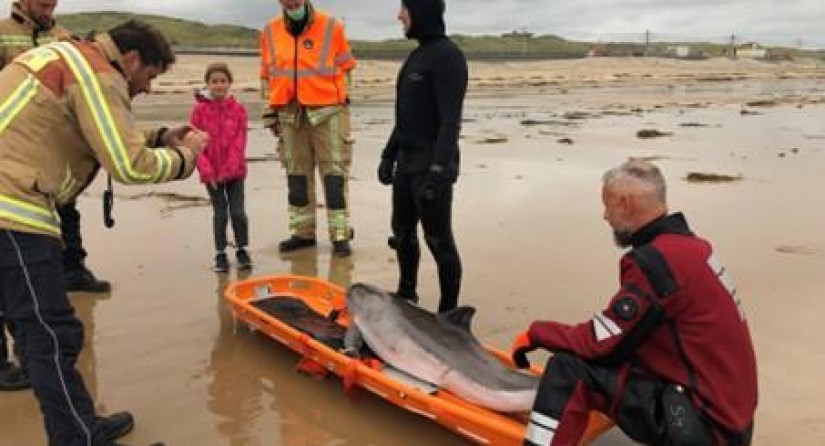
(536, 139)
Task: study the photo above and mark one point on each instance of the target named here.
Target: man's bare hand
(174, 136)
(195, 140)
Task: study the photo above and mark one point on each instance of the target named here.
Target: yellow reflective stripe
(67, 185)
(17, 100)
(29, 215)
(100, 110)
(164, 165)
(16, 40)
(102, 115)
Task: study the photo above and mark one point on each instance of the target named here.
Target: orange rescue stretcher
(324, 303)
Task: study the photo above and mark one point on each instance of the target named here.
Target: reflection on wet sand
(306, 263)
(84, 307)
(260, 398)
(235, 391)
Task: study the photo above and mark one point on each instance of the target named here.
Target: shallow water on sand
(528, 223)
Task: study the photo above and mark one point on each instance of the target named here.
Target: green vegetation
(517, 45)
(179, 31)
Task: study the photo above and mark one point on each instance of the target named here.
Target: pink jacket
(225, 120)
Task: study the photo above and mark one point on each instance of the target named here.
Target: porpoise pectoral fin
(461, 316)
(353, 341)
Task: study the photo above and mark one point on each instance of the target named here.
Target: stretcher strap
(307, 364)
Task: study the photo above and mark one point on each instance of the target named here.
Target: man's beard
(622, 237)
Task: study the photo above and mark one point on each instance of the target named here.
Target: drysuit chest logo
(309, 44)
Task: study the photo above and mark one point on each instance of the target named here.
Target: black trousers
(49, 336)
(4, 348)
(74, 256)
(228, 203)
(408, 209)
(571, 387)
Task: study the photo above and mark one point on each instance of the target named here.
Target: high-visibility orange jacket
(310, 68)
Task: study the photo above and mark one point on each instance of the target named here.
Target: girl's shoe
(221, 263)
(244, 261)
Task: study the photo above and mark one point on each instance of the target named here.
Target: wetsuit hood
(427, 18)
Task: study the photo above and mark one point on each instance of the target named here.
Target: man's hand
(434, 183)
(195, 140)
(522, 345)
(386, 172)
(174, 136)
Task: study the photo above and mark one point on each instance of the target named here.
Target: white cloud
(771, 21)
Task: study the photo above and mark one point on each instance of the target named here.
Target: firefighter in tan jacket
(21, 31)
(65, 110)
(30, 25)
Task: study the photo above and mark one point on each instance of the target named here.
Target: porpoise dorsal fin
(461, 316)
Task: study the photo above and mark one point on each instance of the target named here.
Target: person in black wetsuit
(421, 157)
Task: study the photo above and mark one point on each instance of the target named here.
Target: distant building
(684, 52)
(523, 34)
(752, 51)
(678, 51)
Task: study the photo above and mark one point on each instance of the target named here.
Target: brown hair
(148, 41)
(217, 67)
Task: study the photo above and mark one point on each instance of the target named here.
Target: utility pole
(647, 42)
(732, 49)
(524, 42)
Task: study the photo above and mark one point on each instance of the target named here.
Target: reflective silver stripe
(604, 327)
(273, 53)
(325, 47)
(322, 69)
(342, 58)
(102, 117)
(17, 100)
(275, 72)
(29, 215)
(541, 429)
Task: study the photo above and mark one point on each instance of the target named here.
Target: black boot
(83, 280)
(244, 261)
(13, 377)
(121, 444)
(295, 243)
(341, 248)
(221, 263)
(108, 430)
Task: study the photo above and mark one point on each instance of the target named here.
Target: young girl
(222, 164)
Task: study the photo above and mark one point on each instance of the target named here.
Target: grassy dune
(192, 34)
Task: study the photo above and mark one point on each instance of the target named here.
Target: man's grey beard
(622, 237)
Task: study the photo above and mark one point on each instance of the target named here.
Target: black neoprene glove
(434, 183)
(386, 171)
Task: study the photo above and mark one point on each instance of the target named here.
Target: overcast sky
(787, 22)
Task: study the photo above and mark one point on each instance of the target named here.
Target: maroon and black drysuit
(675, 324)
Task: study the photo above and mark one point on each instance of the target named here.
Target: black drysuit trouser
(435, 215)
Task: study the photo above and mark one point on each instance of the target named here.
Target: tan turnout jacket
(64, 111)
(19, 33)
